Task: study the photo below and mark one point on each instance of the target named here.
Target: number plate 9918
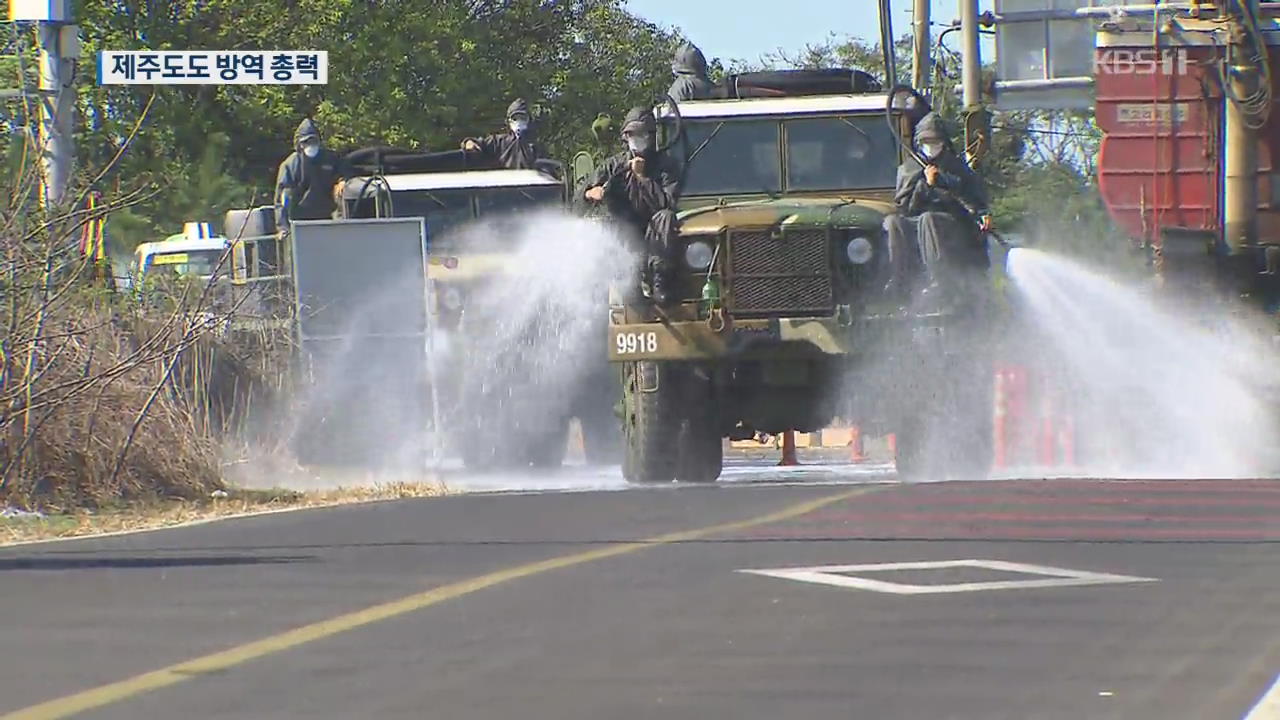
(636, 343)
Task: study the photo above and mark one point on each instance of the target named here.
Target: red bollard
(1017, 423)
(1068, 441)
(1000, 411)
(857, 453)
(1048, 438)
(789, 449)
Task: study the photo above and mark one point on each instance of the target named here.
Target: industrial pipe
(1240, 208)
(1240, 172)
(1061, 83)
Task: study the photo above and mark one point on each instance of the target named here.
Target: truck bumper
(740, 339)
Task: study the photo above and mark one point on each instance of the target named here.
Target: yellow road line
(115, 692)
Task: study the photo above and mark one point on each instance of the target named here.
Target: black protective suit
(304, 185)
(515, 152)
(690, 69)
(645, 205)
(936, 226)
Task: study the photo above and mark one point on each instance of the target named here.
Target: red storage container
(1160, 164)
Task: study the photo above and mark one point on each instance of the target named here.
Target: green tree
(401, 72)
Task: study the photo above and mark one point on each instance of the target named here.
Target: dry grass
(105, 397)
(167, 513)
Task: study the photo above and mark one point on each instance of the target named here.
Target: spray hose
(893, 126)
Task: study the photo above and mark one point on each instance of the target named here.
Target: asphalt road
(633, 604)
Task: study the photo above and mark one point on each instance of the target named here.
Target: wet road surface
(1077, 599)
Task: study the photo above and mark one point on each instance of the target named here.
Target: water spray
(1158, 395)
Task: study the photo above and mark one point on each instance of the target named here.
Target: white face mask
(931, 150)
(639, 143)
(519, 127)
(311, 150)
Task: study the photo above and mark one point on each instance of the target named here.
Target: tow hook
(716, 321)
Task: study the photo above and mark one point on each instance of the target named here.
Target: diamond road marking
(1056, 577)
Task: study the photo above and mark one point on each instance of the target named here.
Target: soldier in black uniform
(639, 187)
(305, 183)
(690, 68)
(514, 149)
(942, 207)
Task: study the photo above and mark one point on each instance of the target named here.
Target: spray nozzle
(1005, 243)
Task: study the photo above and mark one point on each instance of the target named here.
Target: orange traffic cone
(857, 453)
(789, 448)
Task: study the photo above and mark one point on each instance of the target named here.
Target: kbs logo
(1119, 61)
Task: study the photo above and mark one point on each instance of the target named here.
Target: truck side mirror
(583, 167)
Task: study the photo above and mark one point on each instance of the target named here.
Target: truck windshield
(503, 213)
(732, 157)
(504, 202)
(445, 210)
(200, 263)
(744, 157)
(842, 153)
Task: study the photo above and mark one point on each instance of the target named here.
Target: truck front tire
(651, 422)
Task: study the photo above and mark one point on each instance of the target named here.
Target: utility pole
(976, 131)
(1240, 181)
(59, 43)
(886, 44)
(972, 53)
(921, 46)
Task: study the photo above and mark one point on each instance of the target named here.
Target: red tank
(1160, 109)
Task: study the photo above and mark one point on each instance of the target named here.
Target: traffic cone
(789, 448)
(856, 450)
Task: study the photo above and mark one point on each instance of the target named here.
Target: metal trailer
(364, 335)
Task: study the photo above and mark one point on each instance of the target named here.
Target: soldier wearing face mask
(639, 187)
(306, 181)
(689, 66)
(941, 205)
(514, 149)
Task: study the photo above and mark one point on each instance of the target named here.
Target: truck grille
(786, 275)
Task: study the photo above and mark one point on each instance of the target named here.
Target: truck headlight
(698, 255)
(858, 250)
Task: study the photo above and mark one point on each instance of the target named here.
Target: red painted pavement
(1084, 510)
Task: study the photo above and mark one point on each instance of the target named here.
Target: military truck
(492, 399)
(449, 191)
(783, 321)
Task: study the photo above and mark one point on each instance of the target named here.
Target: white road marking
(1268, 707)
(837, 575)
